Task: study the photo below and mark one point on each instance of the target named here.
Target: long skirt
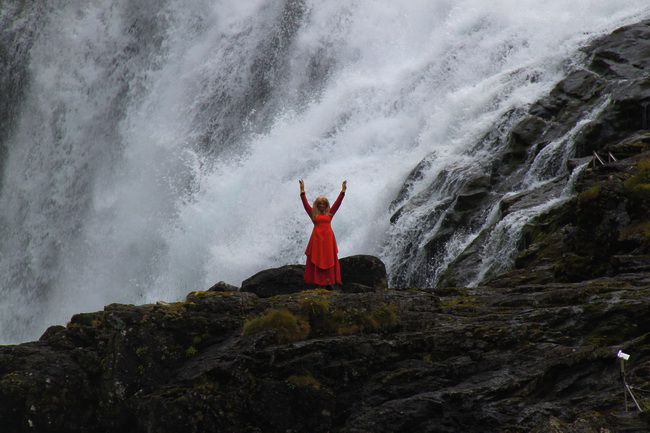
(322, 277)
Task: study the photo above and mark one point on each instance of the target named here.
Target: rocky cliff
(599, 109)
(533, 349)
(491, 359)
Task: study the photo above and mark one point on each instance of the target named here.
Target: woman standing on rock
(322, 266)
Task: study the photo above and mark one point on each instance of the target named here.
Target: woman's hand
(302, 186)
(344, 186)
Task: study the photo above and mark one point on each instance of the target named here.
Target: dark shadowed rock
(361, 273)
(531, 358)
(277, 281)
(615, 70)
(222, 286)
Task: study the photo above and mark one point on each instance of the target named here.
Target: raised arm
(303, 197)
(339, 199)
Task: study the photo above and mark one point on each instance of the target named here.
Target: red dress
(322, 266)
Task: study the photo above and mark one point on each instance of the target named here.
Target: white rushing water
(159, 144)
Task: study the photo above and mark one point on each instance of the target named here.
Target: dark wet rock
(529, 358)
(277, 281)
(360, 273)
(603, 231)
(222, 286)
(577, 239)
(363, 270)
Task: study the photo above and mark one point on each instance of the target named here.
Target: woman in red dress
(322, 260)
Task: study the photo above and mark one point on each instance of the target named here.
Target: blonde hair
(314, 209)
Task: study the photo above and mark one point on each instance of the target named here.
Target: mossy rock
(638, 185)
(287, 326)
(303, 381)
(86, 319)
(589, 194)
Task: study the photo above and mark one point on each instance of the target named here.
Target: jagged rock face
(610, 96)
(530, 358)
(602, 231)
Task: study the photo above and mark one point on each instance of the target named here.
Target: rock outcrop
(603, 231)
(530, 358)
(360, 273)
(602, 107)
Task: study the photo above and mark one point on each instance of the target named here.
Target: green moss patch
(86, 319)
(287, 326)
(642, 229)
(638, 185)
(589, 194)
(316, 313)
(303, 381)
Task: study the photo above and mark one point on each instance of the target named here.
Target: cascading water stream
(545, 172)
(153, 148)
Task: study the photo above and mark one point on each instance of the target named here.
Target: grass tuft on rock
(287, 326)
(638, 185)
(303, 381)
(316, 314)
(383, 318)
(589, 194)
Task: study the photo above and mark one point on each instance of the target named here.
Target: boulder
(360, 274)
(222, 286)
(363, 273)
(277, 281)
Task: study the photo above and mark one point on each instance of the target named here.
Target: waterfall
(151, 148)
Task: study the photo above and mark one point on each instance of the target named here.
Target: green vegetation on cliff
(317, 313)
